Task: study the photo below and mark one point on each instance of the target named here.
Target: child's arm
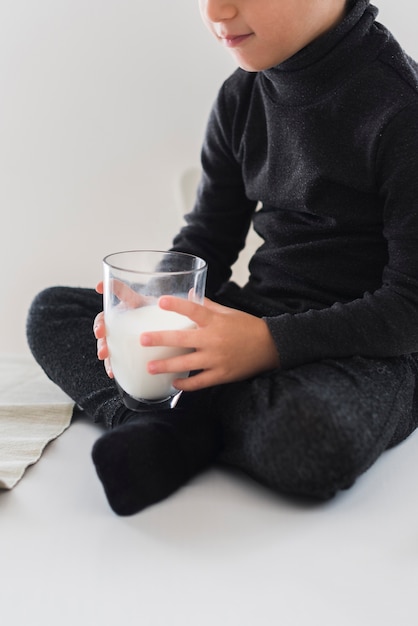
(382, 322)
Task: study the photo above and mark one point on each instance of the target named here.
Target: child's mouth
(234, 41)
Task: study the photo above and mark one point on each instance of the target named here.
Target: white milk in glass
(129, 359)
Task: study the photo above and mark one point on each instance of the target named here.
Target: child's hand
(128, 299)
(229, 345)
(99, 330)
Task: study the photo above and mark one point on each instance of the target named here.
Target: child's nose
(218, 10)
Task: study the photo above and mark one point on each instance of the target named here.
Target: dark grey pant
(307, 431)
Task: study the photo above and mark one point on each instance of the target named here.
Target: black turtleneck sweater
(321, 152)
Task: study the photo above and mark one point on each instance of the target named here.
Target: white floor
(221, 551)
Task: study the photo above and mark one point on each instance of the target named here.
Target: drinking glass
(133, 283)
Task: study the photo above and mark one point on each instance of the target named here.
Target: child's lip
(231, 41)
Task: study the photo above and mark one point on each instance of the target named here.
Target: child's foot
(148, 456)
(139, 464)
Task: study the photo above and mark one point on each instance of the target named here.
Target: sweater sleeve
(219, 222)
(383, 323)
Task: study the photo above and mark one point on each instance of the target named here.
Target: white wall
(103, 104)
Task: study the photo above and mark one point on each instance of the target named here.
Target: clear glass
(133, 283)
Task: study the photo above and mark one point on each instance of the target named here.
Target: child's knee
(44, 311)
(38, 308)
(306, 451)
(44, 301)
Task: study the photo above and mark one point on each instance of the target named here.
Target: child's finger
(194, 311)
(99, 326)
(102, 349)
(108, 368)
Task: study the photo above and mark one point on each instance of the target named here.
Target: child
(306, 374)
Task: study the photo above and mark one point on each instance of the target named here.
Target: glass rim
(106, 261)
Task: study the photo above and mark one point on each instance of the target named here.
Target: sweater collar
(328, 61)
